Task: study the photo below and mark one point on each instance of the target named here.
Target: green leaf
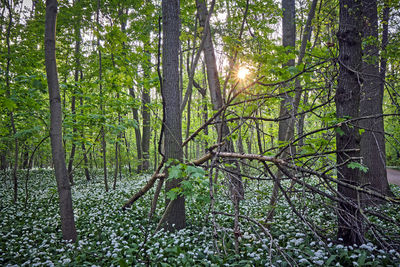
(174, 193)
(175, 172)
(195, 172)
(9, 104)
(356, 165)
(339, 131)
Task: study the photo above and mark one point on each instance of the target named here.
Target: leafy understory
(30, 232)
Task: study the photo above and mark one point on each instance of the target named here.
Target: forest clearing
(199, 133)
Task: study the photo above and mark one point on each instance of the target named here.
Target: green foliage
(194, 184)
(108, 236)
(356, 165)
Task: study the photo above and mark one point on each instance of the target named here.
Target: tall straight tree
(73, 97)
(286, 126)
(64, 190)
(347, 106)
(217, 100)
(8, 94)
(103, 134)
(176, 217)
(373, 139)
(145, 108)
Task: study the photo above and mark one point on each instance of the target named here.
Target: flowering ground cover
(30, 232)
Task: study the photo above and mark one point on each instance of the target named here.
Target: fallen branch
(145, 188)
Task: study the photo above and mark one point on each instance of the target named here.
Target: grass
(30, 234)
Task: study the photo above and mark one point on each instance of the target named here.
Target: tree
(102, 131)
(214, 86)
(57, 149)
(286, 126)
(347, 106)
(373, 139)
(176, 218)
(8, 93)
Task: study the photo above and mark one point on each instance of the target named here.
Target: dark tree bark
(373, 139)
(286, 128)
(176, 217)
(8, 94)
(64, 190)
(347, 105)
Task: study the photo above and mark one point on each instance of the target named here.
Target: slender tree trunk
(146, 133)
(298, 88)
(64, 190)
(217, 101)
(286, 127)
(102, 132)
(350, 227)
(128, 153)
(175, 217)
(8, 94)
(372, 140)
(146, 124)
(73, 99)
(83, 146)
(137, 133)
(116, 165)
(189, 106)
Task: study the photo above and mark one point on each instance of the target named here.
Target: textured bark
(286, 128)
(8, 94)
(146, 117)
(372, 140)
(64, 190)
(347, 105)
(175, 218)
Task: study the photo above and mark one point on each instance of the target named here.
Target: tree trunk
(64, 190)
(286, 127)
(128, 152)
(287, 105)
(217, 101)
(146, 116)
(175, 218)
(372, 143)
(102, 132)
(137, 133)
(11, 113)
(347, 105)
(73, 98)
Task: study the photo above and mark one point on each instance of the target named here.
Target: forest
(200, 133)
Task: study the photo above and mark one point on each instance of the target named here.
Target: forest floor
(393, 176)
(30, 232)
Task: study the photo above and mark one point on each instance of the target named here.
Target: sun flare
(242, 73)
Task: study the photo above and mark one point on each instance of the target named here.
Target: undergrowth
(30, 232)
